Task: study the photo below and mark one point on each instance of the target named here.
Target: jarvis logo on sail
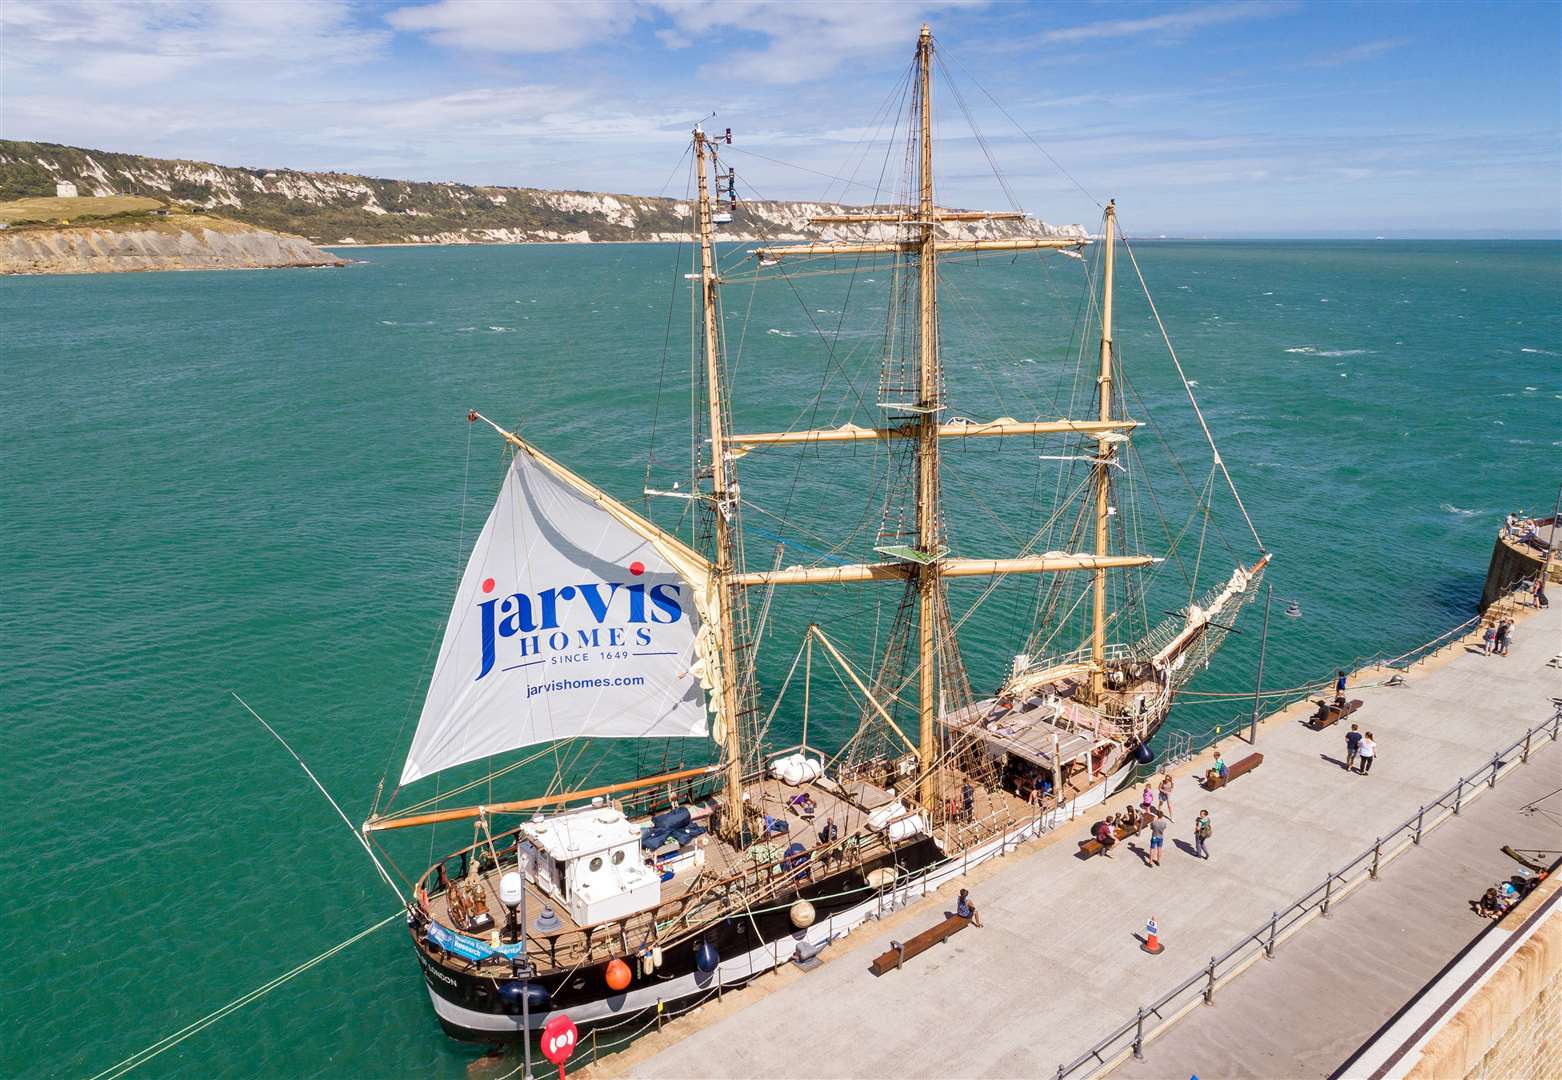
(534, 620)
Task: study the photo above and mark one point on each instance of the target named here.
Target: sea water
(265, 483)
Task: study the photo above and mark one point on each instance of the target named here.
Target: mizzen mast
(721, 503)
(1105, 453)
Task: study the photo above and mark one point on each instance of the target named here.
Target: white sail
(575, 617)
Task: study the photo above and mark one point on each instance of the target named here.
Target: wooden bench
(900, 952)
(1246, 765)
(1088, 848)
(1330, 713)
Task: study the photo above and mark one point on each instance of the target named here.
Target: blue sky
(1247, 119)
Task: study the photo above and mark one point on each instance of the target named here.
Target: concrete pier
(1058, 965)
(1327, 991)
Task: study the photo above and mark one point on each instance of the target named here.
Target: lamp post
(512, 894)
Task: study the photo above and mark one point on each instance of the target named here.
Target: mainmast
(730, 824)
(928, 562)
(929, 409)
(1105, 451)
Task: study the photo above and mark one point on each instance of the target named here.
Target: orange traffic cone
(1152, 940)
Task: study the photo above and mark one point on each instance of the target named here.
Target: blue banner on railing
(469, 947)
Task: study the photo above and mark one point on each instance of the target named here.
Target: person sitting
(1490, 906)
(829, 832)
(966, 909)
(803, 804)
(1106, 835)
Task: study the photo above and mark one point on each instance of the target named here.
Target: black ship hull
(488, 1005)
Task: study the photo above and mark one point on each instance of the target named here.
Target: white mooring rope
(141, 1057)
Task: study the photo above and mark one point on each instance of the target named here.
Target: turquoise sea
(264, 483)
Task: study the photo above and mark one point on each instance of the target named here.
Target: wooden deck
(845, 805)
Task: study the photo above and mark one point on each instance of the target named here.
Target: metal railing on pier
(1199, 988)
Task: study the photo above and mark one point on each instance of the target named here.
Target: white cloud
(1173, 24)
(140, 42)
(1368, 50)
(799, 39)
(519, 26)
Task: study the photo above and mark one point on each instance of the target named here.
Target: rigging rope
(1020, 128)
(1220, 462)
(168, 1042)
(334, 805)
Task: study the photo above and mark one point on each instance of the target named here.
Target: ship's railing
(1115, 651)
(599, 1041)
(1153, 1018)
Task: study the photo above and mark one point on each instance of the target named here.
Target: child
(1202, 828)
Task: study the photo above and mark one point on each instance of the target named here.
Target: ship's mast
(928, 563)
(1105, 451)
(929, 394)
(730, 825)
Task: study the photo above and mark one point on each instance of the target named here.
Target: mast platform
(1057, 966)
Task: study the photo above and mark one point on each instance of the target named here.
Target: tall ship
(580, 621)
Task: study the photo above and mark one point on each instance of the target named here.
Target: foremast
(929, 412)
(721, 501)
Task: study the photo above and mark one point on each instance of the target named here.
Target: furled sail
(575, 617)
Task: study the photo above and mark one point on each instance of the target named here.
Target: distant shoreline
(1093, 239)
(522, 243)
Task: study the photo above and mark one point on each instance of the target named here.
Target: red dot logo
(488, 585)
(637, 568)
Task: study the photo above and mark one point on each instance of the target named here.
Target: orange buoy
(617, 975)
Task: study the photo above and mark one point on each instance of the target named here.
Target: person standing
(1540, 589)
(1352, 747)
(1164, 795)
(1157, 838)
(1489, 639)
(1202, 829)
(1504, 635)
(1147, 800)
(1367, 751)
(1339, 685)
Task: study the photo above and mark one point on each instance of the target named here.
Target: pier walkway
(1057, 966)
(1328, 991)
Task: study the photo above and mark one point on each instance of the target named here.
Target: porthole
(618, 857)
(596, 864)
